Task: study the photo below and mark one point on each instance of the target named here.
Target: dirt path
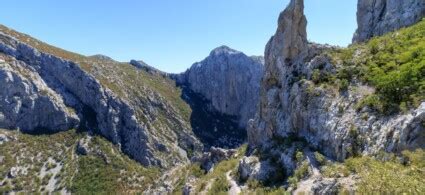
(306, 185)
(234, 189)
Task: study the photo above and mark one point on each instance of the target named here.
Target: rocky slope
(376, 18)
(24, 94)
(141, 113)
(292, 103)
(317, 97)
(229, 80)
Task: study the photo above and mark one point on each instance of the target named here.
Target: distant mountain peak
(102, 57)
(224, 50)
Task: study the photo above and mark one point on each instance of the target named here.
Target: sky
(171, 35)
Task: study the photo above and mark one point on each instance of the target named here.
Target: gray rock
(252, 168)
(68, 85)
(83, 147)
(17, 171)
(102, 57)
(214, 156)
(28, 104)
(143, 66)
(377, 17)
(323, 117)
(290, 39)
(3, 139)
(229, 79)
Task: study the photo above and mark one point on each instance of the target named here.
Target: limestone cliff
(28, 104)
(291, 102)
(229, 79)
(43, 90)
(377, 17)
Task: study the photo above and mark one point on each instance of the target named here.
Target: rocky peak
(377, 17)
(292, 104)
(290, 39)
(229, 79)
(102, 57)
(224, 50)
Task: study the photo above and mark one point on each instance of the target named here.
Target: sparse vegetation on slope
(50, 163)
(385, 173)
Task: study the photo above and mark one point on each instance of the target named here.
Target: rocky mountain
(299, 103)
(318, 119)
(376, 18)
(292, 103)
(113, 99)
(229, 80)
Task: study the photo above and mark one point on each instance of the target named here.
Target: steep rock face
(291, 104)
(377, 17)
(229, 79)
(28, 104)
(127, 123)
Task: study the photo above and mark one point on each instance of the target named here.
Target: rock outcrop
(143, 66)
(214, 156)
(377, 17)
(291, 104)
(28, 104)
(229, 79)
(42, 91)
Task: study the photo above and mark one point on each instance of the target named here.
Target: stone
(83, 147)
(74, 97)
(28, 104)
(250, 167)
(214, 156)
(377, 17)
(290, 39)
(17, 171)
(150, 69)
(293, 106)
(3, 138)
(229, 80)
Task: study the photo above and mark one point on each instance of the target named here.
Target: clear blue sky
(170, 34)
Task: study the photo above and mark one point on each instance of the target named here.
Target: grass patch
(386, 173)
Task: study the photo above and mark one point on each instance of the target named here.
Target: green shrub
(196, 170)
(301, 172)
(320, 158)
(343, 85)
(220, 186)
(394, 64)
(299, 156)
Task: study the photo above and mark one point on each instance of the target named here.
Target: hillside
(306, 118)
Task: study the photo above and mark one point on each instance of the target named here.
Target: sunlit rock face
(292, 104)
(377, 17)
(230, 80)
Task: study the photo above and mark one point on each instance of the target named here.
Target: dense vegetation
(394, 64)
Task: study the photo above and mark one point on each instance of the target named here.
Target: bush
(320, 158)
(394, 64)
(343, 85)
(301, 172)
(299, 156)
(220, 186)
